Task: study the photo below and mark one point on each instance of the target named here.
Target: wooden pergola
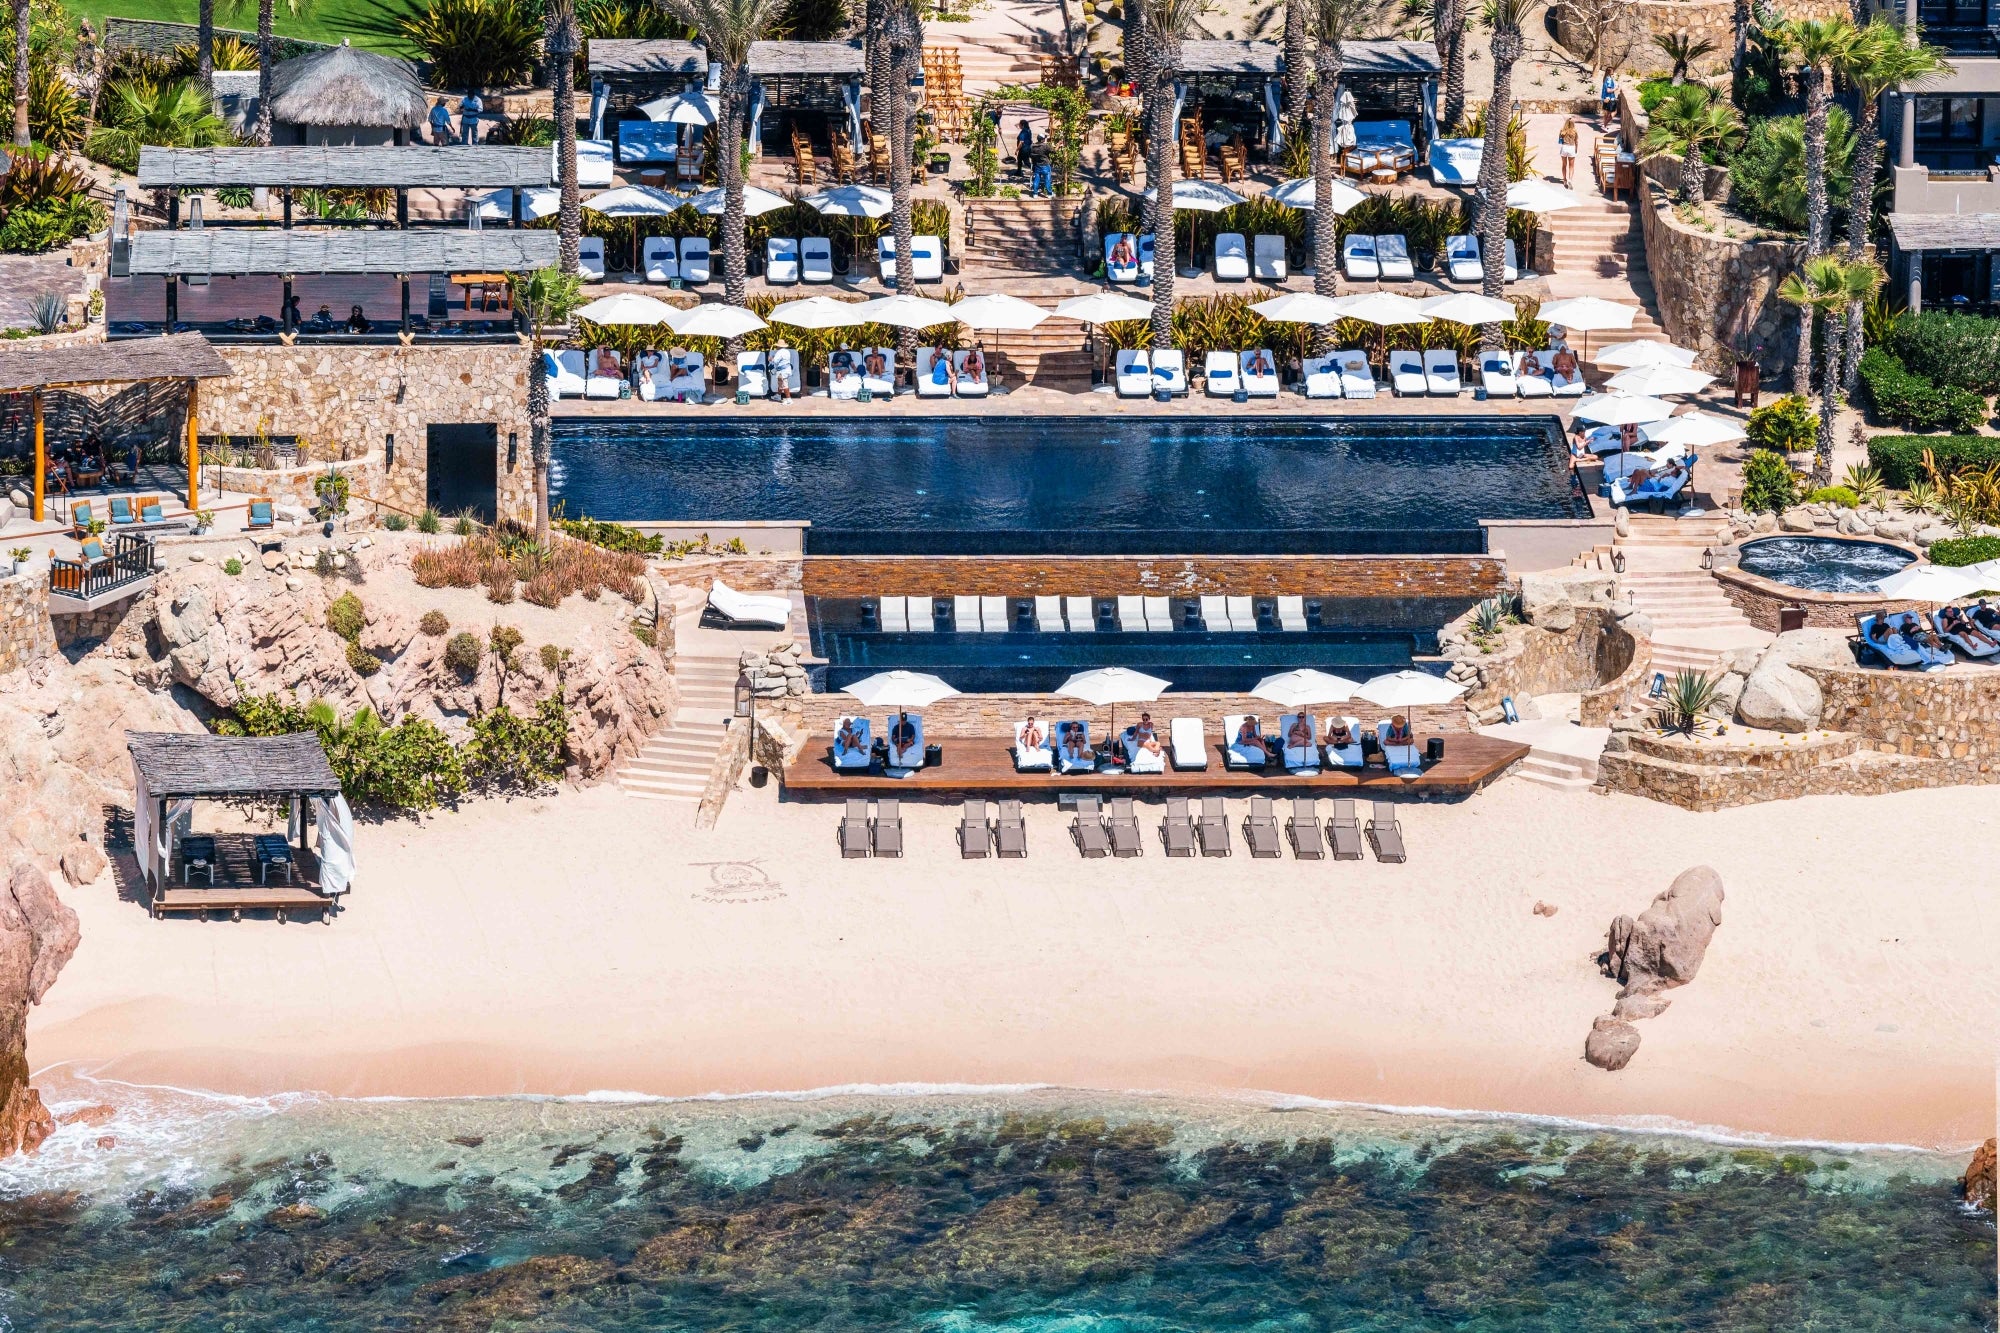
(180, 356)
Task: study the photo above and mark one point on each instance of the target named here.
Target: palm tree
(546, 299)
(1298, 62)
(903, 36)
(1879, 62)
(727, 28)
(1815, 46)
(1505, 18)
(23, 25)
(1830, 286)
(267, 56)
(1742, 16)
(1688, 123)
(559, 45)
(204, 45)
(1682, 49)
(1448, 25)
(176, 115)
(1161, 27)
(1333, 23)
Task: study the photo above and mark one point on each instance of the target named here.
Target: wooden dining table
(483, 281)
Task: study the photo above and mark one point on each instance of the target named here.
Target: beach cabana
(1239, 78)
(184, 871)
(806, 78)
(344, 96)
(626, 72)
(175, 171)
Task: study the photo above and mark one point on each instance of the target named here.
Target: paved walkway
(25, 277)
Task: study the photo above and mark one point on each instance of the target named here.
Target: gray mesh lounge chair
(1213, 826)
(1177, 829)
(1387, 833)
(1010, 835)
(1307, 844)
(1260, 828)
(1088, 824)
(1345, 830)
(1123, 826)
(854, 829)
(889, 827)
(975, 833)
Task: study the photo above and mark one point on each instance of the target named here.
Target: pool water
(1823, 564)
(1078, 485)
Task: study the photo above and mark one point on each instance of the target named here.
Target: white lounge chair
(909, 754)
(1461, 259)
(1214, 613)
(815, 259)
(694, 260)
(661, 260)
(1406, 374)
(923, 615)
(1073, 749)
(781, 261)
(1893, 648)
(1187, 744)
(1531, 375)
(1241, 753)
(843, 376)
(1662, 489)
(1345, 756)
(885, 258)
(1969, 646)
(1392, 254)
(883, 385)
(1441, 372)
(791, 363)
(1402, 758)
(929, 385)
(1321, 379)
(590, 258)
(860, 752)
(687, 377)
(1081, 613)
(1259, 371)
(1357, 380)
(1299, 758)
(596, 383)
(1242, 614)
(1048, 615)
(1933, 658)
(927, 258)
(1496, 375)
(965, 613)
(1267, 258)
(1159, 615)
(1131, 615)
(1135, 374)
(1127, 271)
(1357, 256)
(1145, 257)
(894, 613)
(596, 163)
(1033, 758)
(996, 615)
(751, 374)
(1510, 264)
(971, 384)
(746, 608)
(1137, 759)
(1170, 372)
(1219, 374)
(1291, 614)
(1232, 257)
(565, 372)
(1565, 386)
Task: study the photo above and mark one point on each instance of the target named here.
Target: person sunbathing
(902, 733)
(1398, 732)
(606, 366)
(841, 370)
(1247, 735)
(1121, 253)
(1920, 636)
(1260, 362)
(1565, 366)
(1628, 437)
(941, 366)
(843, 362)
(1299, 736)
(1143, 729)
(975, 368)
(849, 740)
(1149, 744)
(1954, 620)
(1531, 364)
(1339, 736)
(874, 365)
(1986, 617)
(1076, 745)
(1878, 632)
(1032, 735)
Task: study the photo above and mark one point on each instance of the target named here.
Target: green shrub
(508, 750)
(1652, 92)
(1899, 458)
(44, 226)
(1915, 402)
(552, 658)
(434, 623)
(395, 522)
(504, 640)
(1962, 351)
(361, 661)
(1787, 424)
(1959, 551)
(410, 766)
(232, 566)
(1834, 495)
(643, 633)
(427, 522)
(462, 653)
(1768, 483)
(464, 526)
(476, 43)
(1768, 174)
(346, 616)
(611, 536)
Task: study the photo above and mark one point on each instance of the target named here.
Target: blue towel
(940, 371)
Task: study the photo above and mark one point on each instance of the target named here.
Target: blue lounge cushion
(150, 514)
(260, 512)
(121, 509)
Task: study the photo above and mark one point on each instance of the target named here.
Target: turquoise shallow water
(979, 1211)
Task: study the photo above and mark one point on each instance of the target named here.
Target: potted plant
(204, 520)
(17, 559)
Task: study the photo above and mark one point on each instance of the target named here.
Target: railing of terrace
(130, 560)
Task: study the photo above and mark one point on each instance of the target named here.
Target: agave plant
(1865, 482)
(49, 310)
(1688, 696)
(1921, 498)
(1488, 617)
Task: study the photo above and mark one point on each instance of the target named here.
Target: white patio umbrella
(853, 201)
(1538, 196)
(1300, 308)
(628, 308)
(1692, 430)
(715, 319)
(755, 201)
(693, 107)
(1296, 689)
(1468, 308)
(1984, 576)
(1299, 194)
(819, 312)
(1658, 380)
(1385, 309)
(538, 202)
(1199, 197)
(633, 201)
(1104, 308)
(1408, 689)
(1587, 315)
(1645, 354)
(998, 311)
(1621, 409)
(1928, 583)
(1113, 686)
(905, 312)
(899, 689)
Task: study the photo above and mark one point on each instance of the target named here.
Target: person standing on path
(1566, 150)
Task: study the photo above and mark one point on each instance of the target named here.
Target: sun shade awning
(176, 764)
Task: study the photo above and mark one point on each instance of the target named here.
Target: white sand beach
(591, 941)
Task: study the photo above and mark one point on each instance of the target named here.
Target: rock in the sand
(1931, 535)
(1780, 697)
(1978, 1184)
(1647, 1004)
(1611, 1044)
(1544, 909)
(1545, 603)
(1895, 530)
(1621, 521)
(1664, 947)
(1728, 691)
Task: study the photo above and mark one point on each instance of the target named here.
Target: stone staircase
(1600, 251)
(674, 765)
(1048, 356)
(1694, 622)
(989, 60)
(1008, 240)
(1564, 771)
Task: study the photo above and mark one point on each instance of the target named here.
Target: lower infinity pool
(1209, 483)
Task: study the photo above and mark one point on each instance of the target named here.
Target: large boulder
(1795, 520)
(1728, 693)
(1779, 697)
(38, 933)
(1665, 946)
(1611, 1044)
(1546, 604)
(1810, 647)
(1978, 1182)
(1586, 586)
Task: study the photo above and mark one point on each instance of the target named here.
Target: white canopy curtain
(336, 844)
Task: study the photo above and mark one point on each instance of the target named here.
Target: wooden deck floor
(985, 766)
(237, 888)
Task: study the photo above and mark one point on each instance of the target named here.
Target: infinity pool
(1207, 484)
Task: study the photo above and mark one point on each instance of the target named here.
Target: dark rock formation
(38, 933)
(1660, 950)
(1978, 1182)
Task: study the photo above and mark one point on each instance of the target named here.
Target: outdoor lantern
(389, 450)
(1707, 558)
(744, 697)
(513, 450)
(1618, 562)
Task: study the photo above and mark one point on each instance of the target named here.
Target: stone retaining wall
(1761, 599)
(1595, 655)
(294, 485)
(745, 573)
(1467, 578)
(1635, 23)
(1951, 715)
(1714, 291)
(1695, 786)
(26, 633)
(1597, 707)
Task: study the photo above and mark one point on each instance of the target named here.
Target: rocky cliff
(1978, 1184)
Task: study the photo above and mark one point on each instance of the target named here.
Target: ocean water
(964, 1211)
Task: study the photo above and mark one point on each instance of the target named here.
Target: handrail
(131, 559)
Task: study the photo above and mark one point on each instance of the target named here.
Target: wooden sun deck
(985, 766)
(237, 888)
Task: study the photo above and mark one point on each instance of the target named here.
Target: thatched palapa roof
(840, 59)
(619, 55)
(180, 356)
(1945, 231)
(176, 764)
(240, 250)
(341, 86)
(1378, 58)
(1214, 57)
(380, 167)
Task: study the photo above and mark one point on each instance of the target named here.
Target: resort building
(1945, 210)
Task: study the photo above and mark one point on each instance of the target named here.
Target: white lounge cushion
(1219, 373)
(751, 375)
(858, 754)
(1214, 613)
(1406, 373)
(1159, 615)
(1392, 253)
(1510, 263)
(566, 373)
(1259, 370)
(1048, 615)
(1135, 374)
(1461, 257)
(1240, 753)
(923, 615)
(1357, 380)
(965, 613)
(1242, 614)
(1322, 380)
(1496, 375)
(694, 259)
(1441, 371)
(1081, 613)
(1232, 257)
(895, 614)
(1170, 371)
(749, 608)
(927, 258)
(1189, 745)
(603, 381)
(661, 260)
(590, 258)
(781, 260)
(815, 259)
(1291, 613)
(1565, 386)
(1139, 759)
(1357, 256)
(1033, 758)
(996, 615)
(971, 383)
(1131, 615)
(1267, 258)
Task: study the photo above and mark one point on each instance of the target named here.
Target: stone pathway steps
(1694, 622)
(674, 765)
(1561, 754)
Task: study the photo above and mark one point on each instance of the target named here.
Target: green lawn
(366, 23)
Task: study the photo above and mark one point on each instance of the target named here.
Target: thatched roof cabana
(343, 87)
(366, 167)
(176, 764)
(181, 356)
(838, 60)
(624, 58)
(242, 251)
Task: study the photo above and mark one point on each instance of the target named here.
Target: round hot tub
(1823, 564)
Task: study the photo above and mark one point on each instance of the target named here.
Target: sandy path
(579, 942)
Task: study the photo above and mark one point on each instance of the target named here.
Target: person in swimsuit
(1300, 735)
(975, 369)
(941, 365)
(875, 365)
(1076, 748)
(1260, 362)
(1399, 732)
(1339, 736)
(1121, 253)
(1032, 735)
(849, 740)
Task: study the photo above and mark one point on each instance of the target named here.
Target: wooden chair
(802, 156)
(844, 166)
